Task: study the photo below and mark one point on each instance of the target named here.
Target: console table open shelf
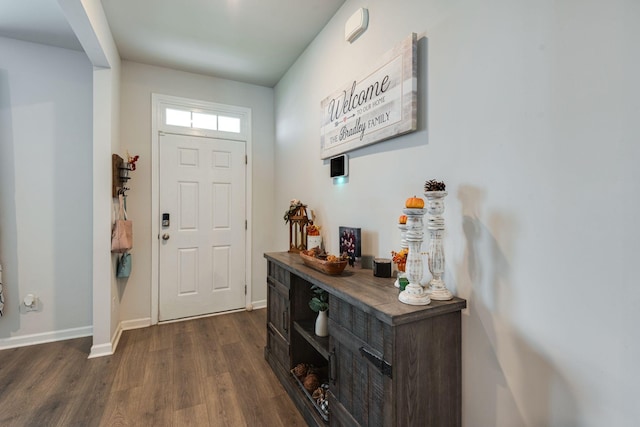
(388, 363)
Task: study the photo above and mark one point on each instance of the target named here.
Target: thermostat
(356, 25)
(339, 166)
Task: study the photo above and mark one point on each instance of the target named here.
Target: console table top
(374, 295)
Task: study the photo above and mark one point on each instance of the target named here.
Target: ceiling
(252, 41)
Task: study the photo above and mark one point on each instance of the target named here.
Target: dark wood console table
(387, 363)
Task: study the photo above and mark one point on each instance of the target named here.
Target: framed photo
(350, 242)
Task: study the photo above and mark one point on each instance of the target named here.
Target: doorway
(201, 193)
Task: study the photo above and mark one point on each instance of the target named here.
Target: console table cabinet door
(428, 372)
(278, 306)
(340, 417)
(279, 349)
(361, 390)
(363, 347)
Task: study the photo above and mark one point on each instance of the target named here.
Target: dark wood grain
(393, 364)
(374, 295)
(204, 372)
(278, 307)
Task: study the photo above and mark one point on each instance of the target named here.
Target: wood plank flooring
(203, 372)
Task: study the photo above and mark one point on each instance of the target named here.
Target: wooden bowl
(326, 267)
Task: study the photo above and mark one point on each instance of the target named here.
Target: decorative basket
(326, 267)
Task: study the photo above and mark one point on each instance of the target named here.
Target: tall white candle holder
(413, 293)
(403, 245)
(435, 224)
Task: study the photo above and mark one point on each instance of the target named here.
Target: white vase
(322, 327)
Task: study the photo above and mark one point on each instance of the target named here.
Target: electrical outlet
(31, 302)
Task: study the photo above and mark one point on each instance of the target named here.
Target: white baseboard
(135, 324)
(106, 349)
(259, 304)
(116, 338)
(101, 350)
(45, 337)
(122, 326)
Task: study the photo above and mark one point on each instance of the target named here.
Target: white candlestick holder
(435, 224)
(413, 293)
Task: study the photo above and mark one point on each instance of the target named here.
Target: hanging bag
(122, 233)
(124, 266)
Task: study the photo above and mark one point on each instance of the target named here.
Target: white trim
(110, 348)
(128, 325)
(248, 237)
(115, 340)
(101, 350)
(158, 101)
(204, 107)
(202, 316)
(45, 337)
(260, 304)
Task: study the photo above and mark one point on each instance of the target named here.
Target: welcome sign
(379, 106)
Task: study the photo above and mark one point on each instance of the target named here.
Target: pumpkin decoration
(402, 219)
(414, 203)
(313, 230)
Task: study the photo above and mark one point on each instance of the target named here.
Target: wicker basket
(326, 267)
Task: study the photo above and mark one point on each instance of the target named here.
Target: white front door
(202, 249)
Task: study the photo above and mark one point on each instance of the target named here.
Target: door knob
(165, 236)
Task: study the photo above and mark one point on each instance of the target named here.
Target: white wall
(45, 189)
(139, 81)
(528, 111)
(89, 24)
(106, 299)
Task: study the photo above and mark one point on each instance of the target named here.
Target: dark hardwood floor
(203, 372)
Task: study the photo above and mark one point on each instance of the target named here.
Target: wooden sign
(376, 107)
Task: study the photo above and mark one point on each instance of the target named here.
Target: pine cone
(318, 393)
(311, 382)
(433, 185)
(300, 370)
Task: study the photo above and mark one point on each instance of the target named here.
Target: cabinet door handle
(383, 366)
(284, 321)
(332, 366)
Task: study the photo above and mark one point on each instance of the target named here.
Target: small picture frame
(350, 242)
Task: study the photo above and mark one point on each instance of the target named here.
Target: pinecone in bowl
(311, 382)
(300, 370)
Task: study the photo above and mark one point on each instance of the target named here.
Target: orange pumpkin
(414, 203)
(402, 219)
